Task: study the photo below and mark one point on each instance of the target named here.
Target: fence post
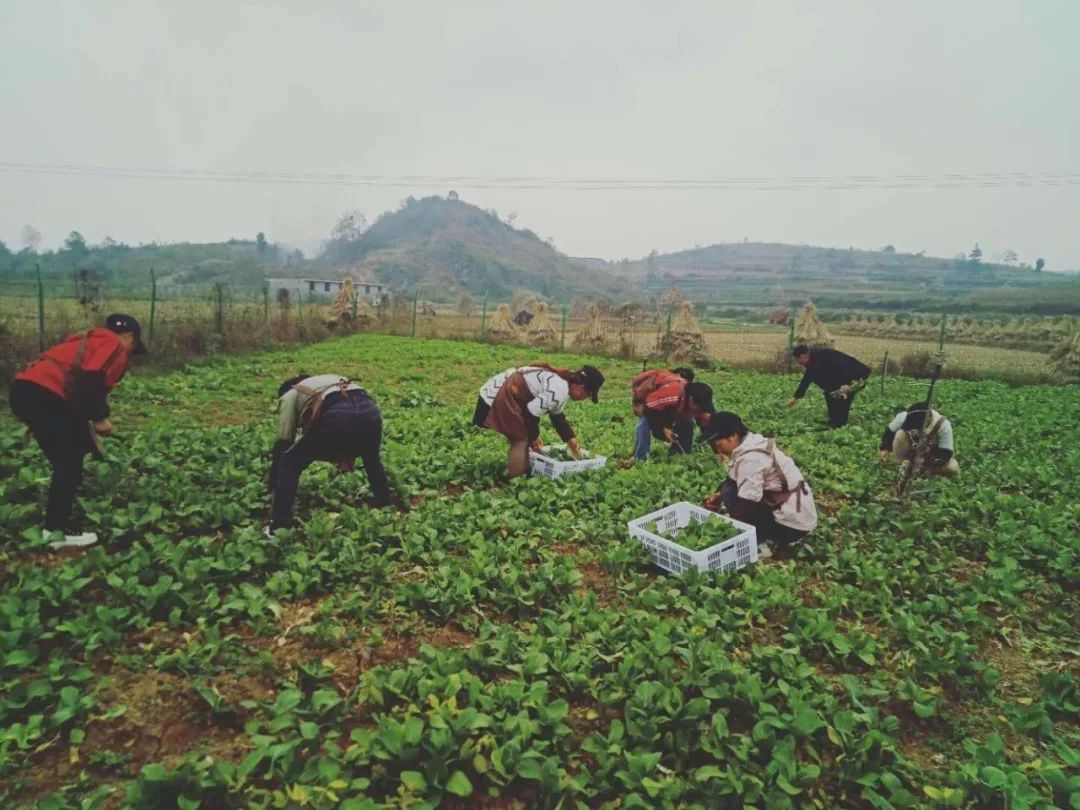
(667, 330)
(219, 314)
(40, 308)
(266, 302)
(483, 319)
(300, 307)
(884, 369)
(941, 337)
(790, 340)
(562, 337)
(355, 304)
(415, 300)
(153, 303)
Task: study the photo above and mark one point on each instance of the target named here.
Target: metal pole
(483, 319)
(266, 302)
(790, 339)
(415, 299)
(941, 337)
(667, 330)
(40, 308)
(153, 303)
(562, 337)
(884, 369)
(219, 317)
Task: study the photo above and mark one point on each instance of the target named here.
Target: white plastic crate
(548, 467)
(729, 555)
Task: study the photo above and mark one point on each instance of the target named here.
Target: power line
(740, 183)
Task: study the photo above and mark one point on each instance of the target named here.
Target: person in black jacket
(835, 373)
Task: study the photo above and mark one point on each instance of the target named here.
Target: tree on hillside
(260, 242)
(888, 249)
(1039, 265)
(75, 244)
(975, 257)
(1009, 257)
(31, 238)
(344, 236)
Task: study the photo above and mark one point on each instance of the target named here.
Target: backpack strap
(312, 411)
(778, 499)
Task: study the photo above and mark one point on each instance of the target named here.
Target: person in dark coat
(63, 399)
(835, 373)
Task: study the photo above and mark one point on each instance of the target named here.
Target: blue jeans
(684, 438)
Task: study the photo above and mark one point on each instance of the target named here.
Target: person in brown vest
(339, 423)
(512, 402)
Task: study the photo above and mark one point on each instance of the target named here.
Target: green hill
(444, 247)
(767, 274)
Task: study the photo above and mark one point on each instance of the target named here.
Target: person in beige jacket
(764, 487)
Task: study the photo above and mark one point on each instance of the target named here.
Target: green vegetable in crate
(700, 536)
(558, 453)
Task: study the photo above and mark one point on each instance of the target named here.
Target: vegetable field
(497, 645)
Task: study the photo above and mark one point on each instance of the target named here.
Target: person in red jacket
(62, 397)
(667, 403)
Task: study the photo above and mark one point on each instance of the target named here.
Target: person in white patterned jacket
(512, 402)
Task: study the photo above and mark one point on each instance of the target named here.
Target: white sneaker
(763, 551)
(71, 540)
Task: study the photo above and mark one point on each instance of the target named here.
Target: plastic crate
(548, 467)
(729, 555)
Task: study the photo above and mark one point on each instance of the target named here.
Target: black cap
(119, 323)
(721, 424)
(593, 380)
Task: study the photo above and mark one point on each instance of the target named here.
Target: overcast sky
(562, 91)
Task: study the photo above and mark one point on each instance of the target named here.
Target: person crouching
(763, 487)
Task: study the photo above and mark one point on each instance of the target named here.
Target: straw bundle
(541, 329)
(687, 341)
(1065, 357)
(591, 337)
(501, 326)
(809, 330)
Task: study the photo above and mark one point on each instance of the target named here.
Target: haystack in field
(1065, 357)
(541, 330)
(501, 326)
(687, 341)
(809, 330)
(591, 337)
(467, 305)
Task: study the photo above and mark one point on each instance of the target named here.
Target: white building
(320, 290)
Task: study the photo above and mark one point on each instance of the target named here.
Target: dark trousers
(350, 427)
(684, 437)
(759, 515)
(839, 408)
(63, 436)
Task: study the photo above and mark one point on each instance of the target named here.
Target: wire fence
(184, 321)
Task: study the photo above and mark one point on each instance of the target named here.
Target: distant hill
(768, 274)
(444, 247)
